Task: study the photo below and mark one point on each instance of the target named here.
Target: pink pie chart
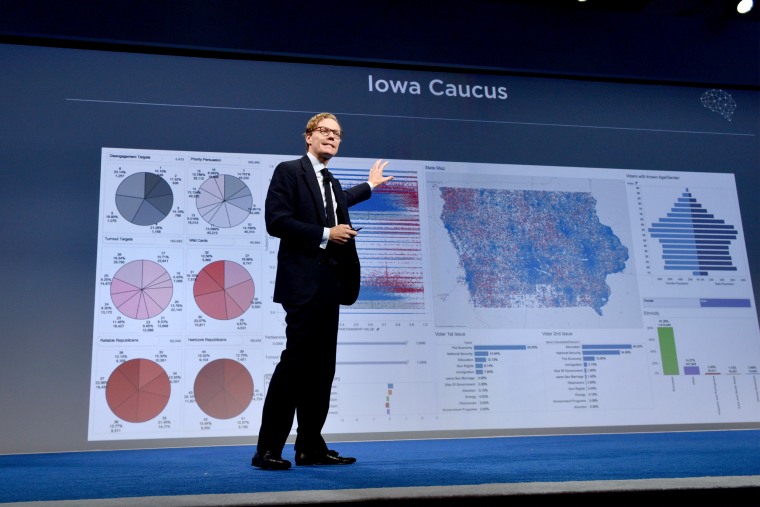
(223, 290)
(141, 289)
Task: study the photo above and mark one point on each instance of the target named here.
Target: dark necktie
(329, 208)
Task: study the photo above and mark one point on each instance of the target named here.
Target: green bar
(668, 350)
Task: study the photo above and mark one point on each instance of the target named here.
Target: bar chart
(693, 239)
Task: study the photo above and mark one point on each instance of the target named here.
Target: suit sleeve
(358, 193)
(289, 211)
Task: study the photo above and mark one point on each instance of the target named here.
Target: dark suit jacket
(294, 212)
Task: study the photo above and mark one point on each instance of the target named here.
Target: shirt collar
(318, 166)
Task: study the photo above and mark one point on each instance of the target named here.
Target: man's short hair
(314, 122)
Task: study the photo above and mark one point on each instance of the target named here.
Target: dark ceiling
(684, 41)
(712, 9)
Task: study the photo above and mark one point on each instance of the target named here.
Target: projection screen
(552, 256)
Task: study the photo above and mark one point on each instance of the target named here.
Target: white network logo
(719, 102)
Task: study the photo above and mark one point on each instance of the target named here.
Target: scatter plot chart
(224, 201)
(390, 243)
(144, 198)
(544, 249)
(141, 289)
(224, 290)
(223, 389)
(138, 390)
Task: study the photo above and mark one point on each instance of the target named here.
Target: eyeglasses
(326, 132)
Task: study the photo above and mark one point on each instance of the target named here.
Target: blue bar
(608, 346)
(690, 210)
(500, 347)
(686, 223)
(713, 226)
(694, 266)
(700, 257)
(693, 220)
(673, 230)
(704, 264)
(680, 250)
(689, 224)
(691, 214)
(676, 235)
(673, 236)
(700, 248)
(699, 265)
(701, 242)
(589, 358)
(725, 303)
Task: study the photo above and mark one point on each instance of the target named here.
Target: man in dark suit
(317, 271)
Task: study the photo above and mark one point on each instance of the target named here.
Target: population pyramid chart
(693, 239)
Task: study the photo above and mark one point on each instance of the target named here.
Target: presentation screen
(552, 255)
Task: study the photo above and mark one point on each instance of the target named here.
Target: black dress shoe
(322, 458)
(269, 461)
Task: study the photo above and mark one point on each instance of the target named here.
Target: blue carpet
(218, 470)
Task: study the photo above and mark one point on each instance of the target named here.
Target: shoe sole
(264, 466)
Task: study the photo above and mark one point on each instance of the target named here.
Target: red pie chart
(223, 290)
(223, 389)
(138, 390)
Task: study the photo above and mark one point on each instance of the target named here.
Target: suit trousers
(302, 381)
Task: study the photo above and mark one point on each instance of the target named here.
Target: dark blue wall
(704, 42)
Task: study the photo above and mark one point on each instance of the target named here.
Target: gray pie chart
(224, 201)
(144, 198)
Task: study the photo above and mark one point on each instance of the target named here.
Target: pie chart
(138, 390)
(223, 389)
(224, 201)
(144, 198)
(141, 289)
(223, 290)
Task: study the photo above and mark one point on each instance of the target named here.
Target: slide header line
(406, 117)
